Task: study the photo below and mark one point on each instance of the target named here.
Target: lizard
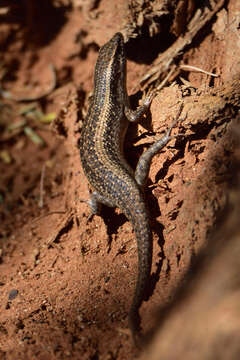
(114, 183)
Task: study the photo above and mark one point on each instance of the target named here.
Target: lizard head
(111, 62)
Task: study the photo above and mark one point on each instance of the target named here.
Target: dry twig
(166, 60)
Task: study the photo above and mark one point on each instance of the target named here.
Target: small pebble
(13, 294)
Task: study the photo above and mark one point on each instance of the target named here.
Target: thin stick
(49, 213)
(40, 204)
(195, 68)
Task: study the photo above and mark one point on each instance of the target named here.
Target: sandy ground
(66, 283)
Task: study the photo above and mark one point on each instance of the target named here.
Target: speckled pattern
(107, 171)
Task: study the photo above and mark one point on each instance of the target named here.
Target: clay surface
(66, 283)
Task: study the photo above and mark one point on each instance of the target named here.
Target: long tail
(140, 221)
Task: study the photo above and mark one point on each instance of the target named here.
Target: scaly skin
(101, 151)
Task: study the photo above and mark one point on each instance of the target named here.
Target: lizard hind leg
(144, 162)
(95, 202)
